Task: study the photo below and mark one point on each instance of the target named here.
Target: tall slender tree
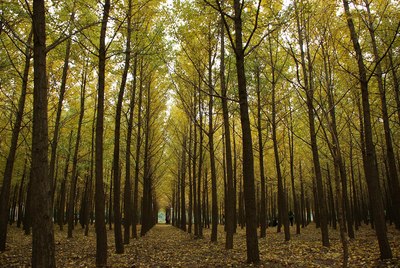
(119, 246)
(236, 38)
(101, 234)
(370, 168)
(43, 248)
(8, 172)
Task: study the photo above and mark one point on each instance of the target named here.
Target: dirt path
(167, 246)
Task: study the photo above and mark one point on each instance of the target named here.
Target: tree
(137, 156)
(392, 176)
(43, 248)
(370, 168)
(8, 172)
(211, 130)
(247, 143)
(308, 87)
(101, 234)
(119, 246)
(230, 198)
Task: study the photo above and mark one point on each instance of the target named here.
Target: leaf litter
(167, 246)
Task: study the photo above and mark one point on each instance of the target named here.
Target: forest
(199, 133)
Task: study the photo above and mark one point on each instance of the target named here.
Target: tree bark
(214, 204)
(8, 172)
(43, 248)
(391, 159)
(262, 213)
(230, 201)
(370, 169)
(21, 196)
(137, 155)
(183, 185)
(101, 234)
(119, 246)
(309, 90)
(147, 177)
(282, 204)
(128, 204)
(200, 166)
(54, 142)
(253, 255)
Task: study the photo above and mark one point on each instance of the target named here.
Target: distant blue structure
(161, 217)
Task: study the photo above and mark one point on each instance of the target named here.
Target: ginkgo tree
(152, 106)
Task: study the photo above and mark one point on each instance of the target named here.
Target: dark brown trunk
(183, 185)
(195, 216)
(147, 178)
(8, 172)
(309, 90)
(28, 207)
(119, 246)
(101, 233)
(332, 213)
(230, 197)
(394, 179)
(43, 248)
(282, 205)
(21, 196)
(137, 156)
(247, 143)
(72, 190)
(190, 207)
(296, 204)
(110, 200)
(54, 142)
(370, 169)
(262, 213)
(90, 203)
(214, 205)
(396, 84)
(128, 204)
(200, 166)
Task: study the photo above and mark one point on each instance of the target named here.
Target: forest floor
(167, 246)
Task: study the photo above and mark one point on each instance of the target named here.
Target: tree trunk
(262, 213)
(119, 246)
(28, 207)
(147, 179)
(370, 170)
(393, 176)
(8, 172)
(303, 201)
(332, 213)
(90, 203)
(214, 205)
(247, 143)
(137, 155)
(309, 90)
(21, 196)
(195, 215)
(110, 200)
(183, 185)
(296, 204)
(54, 142)
(72, 190)
(43, 248)
(190, 208)
(200, 167)
(128, 204)
(282, 205)
(230, 198)
(101, 234)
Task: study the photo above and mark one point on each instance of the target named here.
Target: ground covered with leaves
(167, 246)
